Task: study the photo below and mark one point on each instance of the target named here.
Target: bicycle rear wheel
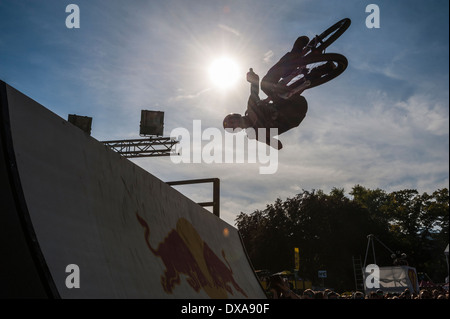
(318, 69)
(332, 33)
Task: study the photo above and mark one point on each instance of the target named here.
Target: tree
(326, 229)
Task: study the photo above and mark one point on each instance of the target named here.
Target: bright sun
(224, 72)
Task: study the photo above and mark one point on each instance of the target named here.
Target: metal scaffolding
(216, 191)
(144, 147)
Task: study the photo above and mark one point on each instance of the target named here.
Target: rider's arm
(253, 78)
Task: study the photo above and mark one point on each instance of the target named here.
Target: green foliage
(330, 228)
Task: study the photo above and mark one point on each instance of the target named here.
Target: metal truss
(144, 147)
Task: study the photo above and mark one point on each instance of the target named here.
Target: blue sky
(384, 123)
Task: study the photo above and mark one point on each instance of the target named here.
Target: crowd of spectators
(379, 294)
(279, 289)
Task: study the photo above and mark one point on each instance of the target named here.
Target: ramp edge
(26, 274)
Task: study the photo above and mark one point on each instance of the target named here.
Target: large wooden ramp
(73, 211)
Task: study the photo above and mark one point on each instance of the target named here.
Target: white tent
(392, 279)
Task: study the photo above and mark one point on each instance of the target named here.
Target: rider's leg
(291, 113)
(270, 80)
(283, 67)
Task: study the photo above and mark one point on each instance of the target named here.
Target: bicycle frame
(311, 47)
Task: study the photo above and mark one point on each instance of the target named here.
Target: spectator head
(308, 294)
(424, 294)
(358, 295)
(380, 294)
(333, 295)
(318, 295)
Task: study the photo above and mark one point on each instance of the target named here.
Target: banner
(297, 258)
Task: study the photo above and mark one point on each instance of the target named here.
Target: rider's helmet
(232, 121)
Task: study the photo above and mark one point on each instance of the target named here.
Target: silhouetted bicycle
(315, 66)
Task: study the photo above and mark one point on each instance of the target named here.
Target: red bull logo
(183, 251)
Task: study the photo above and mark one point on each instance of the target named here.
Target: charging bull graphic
(184, 252)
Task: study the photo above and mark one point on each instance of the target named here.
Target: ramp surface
(67, 199)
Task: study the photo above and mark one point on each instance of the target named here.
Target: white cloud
(427, 114)
(229, 29)
(182, 96)
(268, 57)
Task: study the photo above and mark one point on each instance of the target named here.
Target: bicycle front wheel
(332, 33)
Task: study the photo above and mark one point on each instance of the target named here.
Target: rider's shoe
(300, 44)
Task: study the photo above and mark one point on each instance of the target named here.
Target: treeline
(329, 229)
